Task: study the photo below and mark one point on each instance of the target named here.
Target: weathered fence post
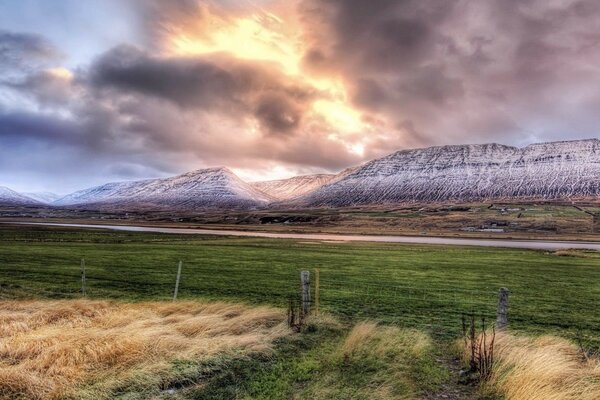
(317, 291)
(502, 313)
(83, 277)
(177, 281)
(305, 280)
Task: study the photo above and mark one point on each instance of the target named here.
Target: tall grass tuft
(89, 349)
(381, 363)
(543, 368)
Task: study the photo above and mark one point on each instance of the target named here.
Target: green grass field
(424, 286)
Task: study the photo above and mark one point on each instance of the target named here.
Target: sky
(110, 90)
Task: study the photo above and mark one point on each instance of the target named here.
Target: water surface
(514, 243)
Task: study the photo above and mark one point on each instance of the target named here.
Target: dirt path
(453, 389)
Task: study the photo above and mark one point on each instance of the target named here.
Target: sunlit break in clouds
(260, 35)
(100, 91)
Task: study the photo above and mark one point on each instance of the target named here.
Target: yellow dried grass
(52, 349)
(543, 368)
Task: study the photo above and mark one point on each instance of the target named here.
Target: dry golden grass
(543, 368)
(577, 253)
(57, 349)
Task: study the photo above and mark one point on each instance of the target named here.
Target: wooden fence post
(317, 291)
(177, 281)
(83, 277)
(502, 313)
(305, 280)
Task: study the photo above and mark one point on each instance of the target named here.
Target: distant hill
(205, 188)
(12, 198)
(43, 197)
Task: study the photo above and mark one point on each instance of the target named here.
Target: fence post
(502, 313)
(177, 281)
(83, 277)
(317, 291)
(305, 280)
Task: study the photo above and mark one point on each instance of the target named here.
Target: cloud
(209, 83)
(25, 126)
(22, 50)
(309, 85)
(50, 87)
(462, 71)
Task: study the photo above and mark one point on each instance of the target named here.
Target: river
(514, 243)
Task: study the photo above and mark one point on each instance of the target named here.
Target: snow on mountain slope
(284, 189)
(43, 197)
(10, 197)
(205, 188)
(558, 170)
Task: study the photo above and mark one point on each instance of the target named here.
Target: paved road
(525, 244)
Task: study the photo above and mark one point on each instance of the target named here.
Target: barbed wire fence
(439, 309)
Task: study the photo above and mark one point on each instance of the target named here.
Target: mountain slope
(558, 170)
(206, 188)
(284, 189)
(10, 197)
(43, 197)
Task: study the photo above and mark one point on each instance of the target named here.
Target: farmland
(421, 286)
(551, 221)
(390, 317)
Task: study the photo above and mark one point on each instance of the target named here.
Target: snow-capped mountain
(549, 171)
(205, 188)
(284, 189)
(458, 173)
(10, 197)
(43, 197)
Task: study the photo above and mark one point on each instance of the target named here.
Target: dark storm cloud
(47, 87)
(25, 49)
(277, 113)
(460, 70)
(384, 35)
(216, 82)
(32, 126)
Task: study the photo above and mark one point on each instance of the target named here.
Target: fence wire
(438, 309)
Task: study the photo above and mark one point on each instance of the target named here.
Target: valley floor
(519, 221)
(196, 349)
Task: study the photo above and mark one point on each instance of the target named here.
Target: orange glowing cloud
(265, 36)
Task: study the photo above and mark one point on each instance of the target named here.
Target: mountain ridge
(549, 171)
(13, 198)
(285, 189)
(205, 188)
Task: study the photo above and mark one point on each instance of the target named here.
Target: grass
(422, 286)
(85, 349)
(543, 368)
(379, 362)
(329, 361)
(98, 349)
